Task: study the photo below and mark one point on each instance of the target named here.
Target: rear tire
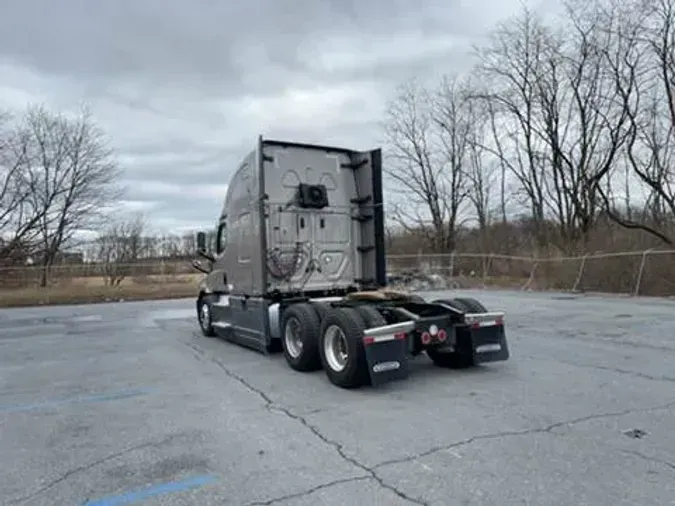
(321, 309)
(464, 304)
(341, 348)
(471, 305)
(300, 334)
(371, 317)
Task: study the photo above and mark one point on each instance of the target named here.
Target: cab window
(221, 239)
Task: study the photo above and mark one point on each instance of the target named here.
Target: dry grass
(86, 290)
(624, 274)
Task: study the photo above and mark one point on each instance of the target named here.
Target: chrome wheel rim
(205, 316)
(292, 337)
(335, 348)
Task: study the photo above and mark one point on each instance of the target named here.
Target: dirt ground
(94, 289)
(85, 290)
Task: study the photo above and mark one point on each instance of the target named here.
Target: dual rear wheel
(316, 336)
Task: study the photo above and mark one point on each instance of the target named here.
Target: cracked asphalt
(128, 404)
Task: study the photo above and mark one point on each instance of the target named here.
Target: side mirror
(198, 265)
(201, 247)
(201, 241)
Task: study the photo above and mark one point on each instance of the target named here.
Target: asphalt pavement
(128, 404)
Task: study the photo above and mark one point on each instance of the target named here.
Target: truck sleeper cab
(299, 264)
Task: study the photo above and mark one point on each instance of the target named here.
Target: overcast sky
(184, 87)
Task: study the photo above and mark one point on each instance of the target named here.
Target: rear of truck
(324, 222)
(455, 333)
(323, 258)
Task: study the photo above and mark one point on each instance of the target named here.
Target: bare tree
(428, 137)
(645, 31)
(120, 245)
(170, 246)
(189, 244)
(508, 66)
(71, 174)
(389, 234)
(481, 167)
(586, 112)
(560, 91)
(18, 219)
(151, 246)
(495, 137)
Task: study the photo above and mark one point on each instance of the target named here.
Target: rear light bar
(478, 320)
(367, 340)
(395, 332)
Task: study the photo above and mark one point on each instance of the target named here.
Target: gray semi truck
(299, 266)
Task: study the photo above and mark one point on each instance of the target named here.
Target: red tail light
(399, 336)
(426, 338)
(442, 335)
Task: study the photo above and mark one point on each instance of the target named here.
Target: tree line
(61, 185)
(561, 133)
(567, 124)
(58, 177)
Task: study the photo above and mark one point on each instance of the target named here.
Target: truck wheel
(321, 309)
(466, 304)
(301, 327)
(341, 348)
(471, 305)
(454, 359)
(204, 317)
(371, 317)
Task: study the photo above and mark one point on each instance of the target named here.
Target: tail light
(426, 338)
(497, 322)
(442, 335)
(399, 336)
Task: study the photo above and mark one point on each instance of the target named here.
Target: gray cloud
(183, 88)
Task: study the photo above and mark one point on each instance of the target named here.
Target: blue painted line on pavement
(113, 396)
(146, 493)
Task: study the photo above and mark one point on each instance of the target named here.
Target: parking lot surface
(128, 404)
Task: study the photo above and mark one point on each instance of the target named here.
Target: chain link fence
(650, 272)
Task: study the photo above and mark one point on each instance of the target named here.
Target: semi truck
(298, 266)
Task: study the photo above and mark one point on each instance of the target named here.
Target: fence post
(486, 266)
(638, 281)
(580, 273)
(532, 271)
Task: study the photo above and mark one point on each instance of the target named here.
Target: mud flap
(387, 360)
(489, 344)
